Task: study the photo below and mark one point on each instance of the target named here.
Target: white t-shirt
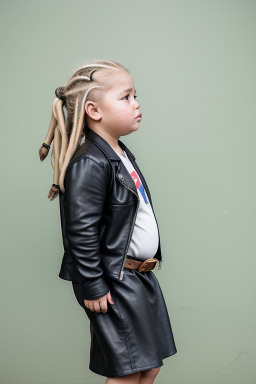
(144, 240)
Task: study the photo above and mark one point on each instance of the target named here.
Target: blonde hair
(68, 133)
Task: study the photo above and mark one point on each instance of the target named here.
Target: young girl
(110, 233)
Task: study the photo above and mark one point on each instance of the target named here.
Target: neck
(111, 140)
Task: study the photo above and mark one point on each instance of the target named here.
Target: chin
(134, 129)
(130, 130)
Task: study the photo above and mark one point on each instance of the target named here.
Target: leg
(133, 378)
(148, 377)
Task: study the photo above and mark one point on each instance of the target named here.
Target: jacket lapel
(122, 173)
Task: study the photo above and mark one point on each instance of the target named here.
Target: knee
(151, 373)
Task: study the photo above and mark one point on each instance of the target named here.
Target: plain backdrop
(193, 65)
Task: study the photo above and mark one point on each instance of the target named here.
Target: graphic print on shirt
(139, 185)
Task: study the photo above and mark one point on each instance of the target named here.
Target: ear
(92, 110)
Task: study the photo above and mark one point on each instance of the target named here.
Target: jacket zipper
(121, 275)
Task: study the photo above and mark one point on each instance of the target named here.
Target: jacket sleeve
(86, 187)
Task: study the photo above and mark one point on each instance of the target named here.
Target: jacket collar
(105, 146)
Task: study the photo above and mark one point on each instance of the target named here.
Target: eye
(128, 96)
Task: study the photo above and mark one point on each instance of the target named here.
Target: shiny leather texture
(98, 211)
(135, 334)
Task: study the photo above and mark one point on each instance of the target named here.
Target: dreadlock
(68, 133)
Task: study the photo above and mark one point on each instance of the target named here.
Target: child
(110, 233)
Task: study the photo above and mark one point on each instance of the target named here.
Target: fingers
(100, 304)
(97, 305)
(109, 297)
(103, 306)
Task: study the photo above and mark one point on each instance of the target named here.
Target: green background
(193, 65)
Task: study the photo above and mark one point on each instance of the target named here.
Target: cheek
(125, 110)
(120, 113)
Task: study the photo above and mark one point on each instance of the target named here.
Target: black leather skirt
(135, 333)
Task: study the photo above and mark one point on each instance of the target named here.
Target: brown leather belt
(141, 266)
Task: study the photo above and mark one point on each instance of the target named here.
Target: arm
(86, 187)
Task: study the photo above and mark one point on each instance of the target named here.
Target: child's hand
(99, 304)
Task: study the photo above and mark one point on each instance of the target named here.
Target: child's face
(118, 107)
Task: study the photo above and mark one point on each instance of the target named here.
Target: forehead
(120, 81)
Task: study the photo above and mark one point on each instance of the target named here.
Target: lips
(139, 116)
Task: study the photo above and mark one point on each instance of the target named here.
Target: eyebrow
(128, 90)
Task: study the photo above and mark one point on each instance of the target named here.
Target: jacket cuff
(95, 289)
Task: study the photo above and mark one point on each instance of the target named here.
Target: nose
(137, 104)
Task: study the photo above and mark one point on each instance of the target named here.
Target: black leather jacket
(98, 212)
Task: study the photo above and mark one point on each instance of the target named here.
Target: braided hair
(68, 133)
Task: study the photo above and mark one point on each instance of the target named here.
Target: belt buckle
(147, 265)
